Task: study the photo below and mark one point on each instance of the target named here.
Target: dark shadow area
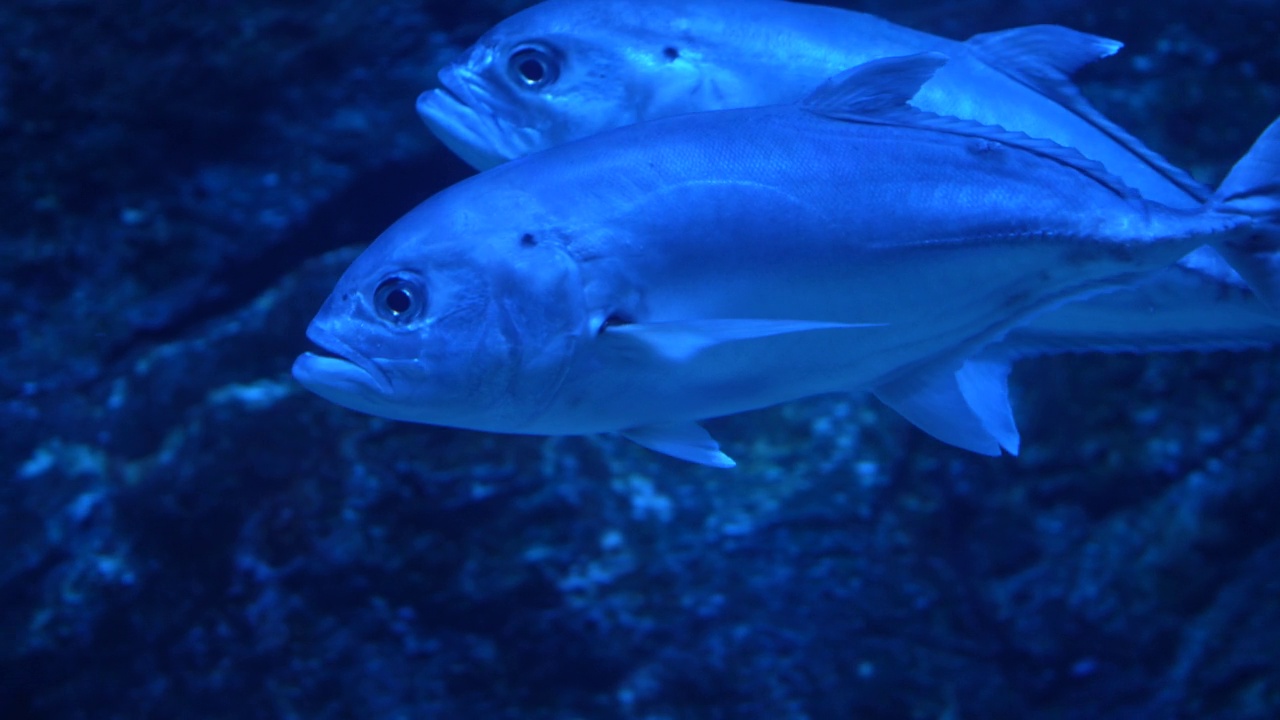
(355, 216)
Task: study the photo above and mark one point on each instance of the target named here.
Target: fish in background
(633, 281)
(566, 69)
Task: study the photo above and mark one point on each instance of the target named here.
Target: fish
(643, 279)
(565, 69)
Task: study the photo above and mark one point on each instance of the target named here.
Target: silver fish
(640, 280)
(565, 69)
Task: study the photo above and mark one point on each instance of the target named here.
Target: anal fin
(968, 408)
(686, 441)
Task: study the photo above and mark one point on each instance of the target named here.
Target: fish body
(601, 64)
(642, 279)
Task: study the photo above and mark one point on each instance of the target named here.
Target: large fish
(565, 69)
(645, 278)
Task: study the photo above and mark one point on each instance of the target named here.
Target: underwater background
(186, 533)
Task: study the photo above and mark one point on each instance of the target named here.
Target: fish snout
(331, 355)
(461, 114)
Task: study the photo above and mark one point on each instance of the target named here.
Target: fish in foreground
(565, 69)
(646, 278)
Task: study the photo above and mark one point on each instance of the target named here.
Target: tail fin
(1253, 188)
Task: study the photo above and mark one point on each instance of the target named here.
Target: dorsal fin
(878, 92)
(1042, 51)
(874, 87)
(1043, 57)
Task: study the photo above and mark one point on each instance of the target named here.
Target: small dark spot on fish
(346, 297)
(983, 147)
(670, 53)
(1017, 300)
(528, 240)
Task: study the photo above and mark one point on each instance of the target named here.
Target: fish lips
(460, 117)
(336, 370)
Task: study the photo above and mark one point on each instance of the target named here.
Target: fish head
(458, 315)
(565, 69)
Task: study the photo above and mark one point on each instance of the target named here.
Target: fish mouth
(335, 367)
(461, 114)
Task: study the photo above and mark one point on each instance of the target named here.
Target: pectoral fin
(682, 340)
(686, 441)
(968, 408)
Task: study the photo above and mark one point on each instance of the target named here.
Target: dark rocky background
(185, 533)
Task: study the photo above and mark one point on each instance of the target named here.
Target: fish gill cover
(186, 532)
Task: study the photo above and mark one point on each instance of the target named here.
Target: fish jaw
(472, 122)
(338, 373)
(459, 128)
(332, 378)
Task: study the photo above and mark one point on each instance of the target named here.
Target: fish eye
(399, 300)
(533, 67)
